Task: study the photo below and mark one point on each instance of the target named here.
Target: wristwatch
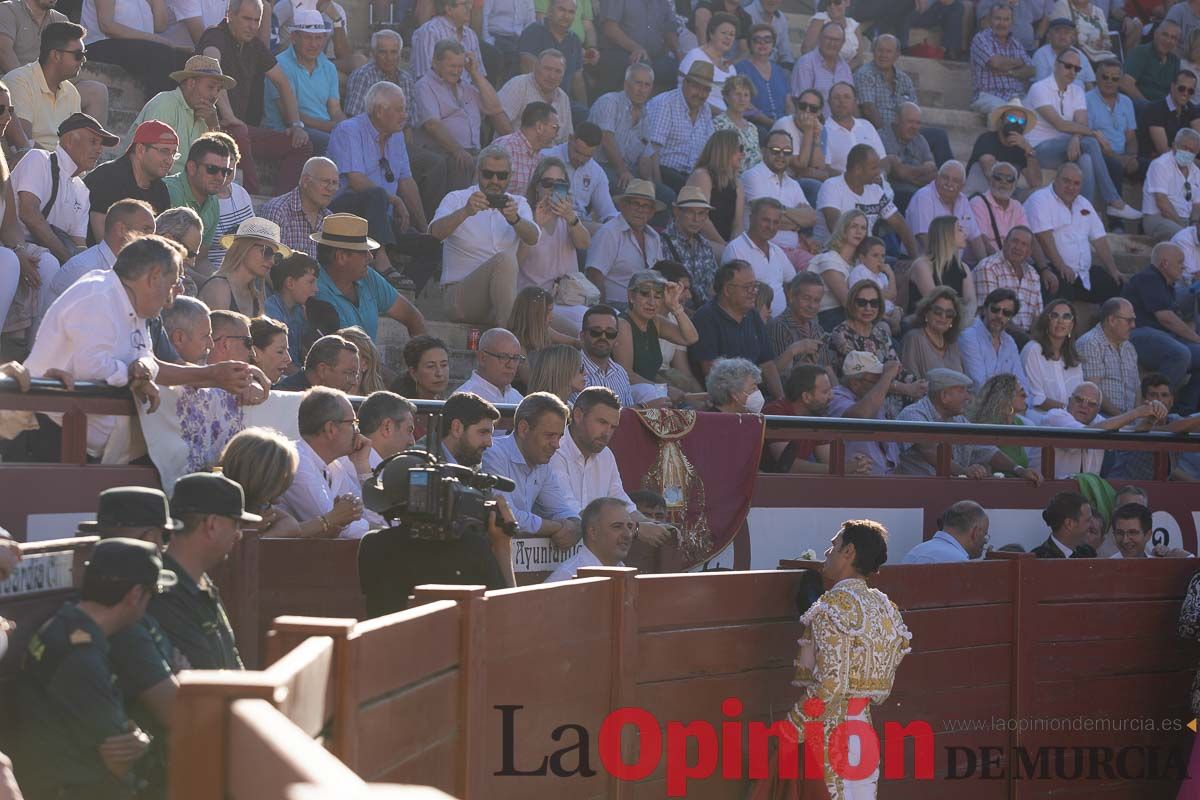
(297, 124)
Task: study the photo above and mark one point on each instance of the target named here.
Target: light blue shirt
(296, 321)
(980, 359)
(589, 185)
(1043, 64)
(313, 89)
(669, 125)
(941, 549)
(539, 494)
(1113, 123)
(375, 297)
(97, 257)
(354, 147)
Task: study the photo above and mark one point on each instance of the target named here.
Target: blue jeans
(1162, 352)
(1053, 154)
(319, 139)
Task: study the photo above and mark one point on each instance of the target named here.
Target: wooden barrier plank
(673, 654)
(405, 648)
(386, 732)
(713, 598)
(952, 628)
(1118, 696)
(1109, 580)
(1142, 655)
(304, 676)
(433, 766)
(958, 668)
(1065, 622)
(908, 586)
(526, 620)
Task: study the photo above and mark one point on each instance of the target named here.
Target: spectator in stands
(22, 31)
(732, 386)
(1068, 228)
(964, 533)
(539, 129)
(43, 95)
(795, 334)
(588, 182)
(821, 69)
(862, 393)
(1091, 28)
(909, 163)
(1131, 527)
(231, 336)
(501, 24)
(68, 698)
(530, 322)
(1063, 135)
(371, 367)
(807, 393)
(1051, 362)
(865, 330)
(598, 340)
(332, 361)
(944, 196)
(299, 213)
(1151, 67)
(386, 48)
(621, 117)
(1067, 514)
(127, 35)
(806, 128)
(189, 329)
(209, 165)
(720, 39)
(382, 190)
(996, 212)
(1110, 359)
(844, 128)
(562, 236)
(1000, 65)
(861, 189)
(729, 328)
(52, 199)
(1140, 464)
(314, 81)
(542, 87)
(1083, 411)
(942, 265)
(625, 244)
(769, 13)
(770, 180)
(557, 369)
(386, 419)
(678, 126)
(1011, 269)
(1060, 38)
(451, 22)
(1002, 400)
(137, 175)
(555, 29)
(468, 422)
(184, 227)
(541, 504)
(427, 373)
(882, 86)
(642, 327)
(1167, 204)
(498, 359)
(608, 532)
(836, 262)
(212, 509)
(737, 94)
(768, 79)
(684, 242)
(264, 462)
(293, 283)
(240, 284)
(125, 221)
(1160, 121)
(1163, 341)
(332, 455)
(716, 175)
(933, 341)
(638, 31)
(481, 228)
(771, 266)
(1005, 142)
(269, 350)
(987, 348)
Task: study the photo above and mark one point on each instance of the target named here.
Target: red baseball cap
(154, 132)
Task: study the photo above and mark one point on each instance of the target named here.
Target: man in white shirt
(125, 221)
(860, 187)
(962, 538)
(541, 85)
(497, 360)
(481, 228)
(1171, 191)
(1068, 228)
(333, 462)
(770, 264)
(944, 198)
(468, 422)
(589, 182)
(771, 179)
(625, 244)
(608, 533)
(845, 128)
(1132, 525)
(386, 419)
(1083, 411)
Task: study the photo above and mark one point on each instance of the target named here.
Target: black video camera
(435, 499)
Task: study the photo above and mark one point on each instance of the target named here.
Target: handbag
(573, 289)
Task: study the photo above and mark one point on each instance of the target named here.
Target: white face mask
(755, 402)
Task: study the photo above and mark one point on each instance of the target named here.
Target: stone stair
(392, 335)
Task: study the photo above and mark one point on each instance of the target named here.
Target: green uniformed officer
(142, 657)
(212, 509)
(77, 740)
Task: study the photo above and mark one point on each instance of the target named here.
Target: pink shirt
(1006, 218)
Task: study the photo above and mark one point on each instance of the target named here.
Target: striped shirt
(612, 375)
(986, 80)
(1112, 367)
(995, 272)
(669, 125)
(234, 209)
(286, 212)
(614, 113)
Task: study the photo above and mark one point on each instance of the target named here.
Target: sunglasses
(865, 302)
(1070, 66)
(1015, 120)
(1187, 191)
(779, 151)
(213, 169)
(494, 175)
(550, 183)
(762, 39)
(647, 293)
(607, 333)
(808, 107)
(1065, 316)
(388, 175)
(268, 251)
(1004, 178)
(80, 55)
(1005, 312)
(1188, 90)
(944, 313)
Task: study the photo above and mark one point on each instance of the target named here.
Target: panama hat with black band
(344, 232)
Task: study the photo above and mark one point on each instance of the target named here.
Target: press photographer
(448, 528)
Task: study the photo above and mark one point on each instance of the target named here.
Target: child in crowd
(763, 301)
(294, 281)
(872, 266)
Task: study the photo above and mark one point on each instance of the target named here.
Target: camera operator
(541, 504)
(608, 533)
(394, 560)
(468, 422)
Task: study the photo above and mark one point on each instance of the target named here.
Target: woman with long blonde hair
(557, 369)
(716, 174)
(835, 263)
(240, 284)
(529, 321)
(942, 265)
(371, 378)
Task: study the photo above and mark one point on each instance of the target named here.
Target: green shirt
(1153, 78)
(142, 658)
(180, 192)
(195, 621)
(69, 703)
(171, 108)
(583, 11)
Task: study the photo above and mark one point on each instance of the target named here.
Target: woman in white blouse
(563, 235)
(834, 265)
(1051, 362)
(722, 33)
(127, 33)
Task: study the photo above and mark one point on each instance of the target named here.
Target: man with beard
(597, 338)
(137, 175)
(987, 347)
(468, 422)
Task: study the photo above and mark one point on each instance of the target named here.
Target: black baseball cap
(132, 507)
(129, 561)
(209, 493)
(1060, 22)
(81, 121)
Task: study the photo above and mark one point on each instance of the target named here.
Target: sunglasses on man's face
(607, 333)
(1188, 90)
(808, 107)
(1002, 311)
(494, 175)
(213, 169)
(1004, 177)
(779, 151)
(1070, 66)
(1013, 119)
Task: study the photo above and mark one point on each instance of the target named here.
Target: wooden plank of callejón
(288, 632)
(624, 653)
(471, 770)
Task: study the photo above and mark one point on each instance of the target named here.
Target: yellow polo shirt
(43, 109)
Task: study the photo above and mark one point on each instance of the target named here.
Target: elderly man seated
(540, 86)
(996, 211)
(822, 67)
(625, 244)
(1171, 180)
(944, 197)
(1083, 411)
(1111, 115)
(1164, 342)
(860, 395)
(621, 117)
(1011, 269)
(683, 242)
(949, 393)
(678, 124)
(299, 213)
(609, 531)
(1109, 359)
(963, 535)
(987, 348)
(1000, 66)
(314, 81)
(909, 164)
(729, 326)
(796, 335)
(332, 361)
(497, 360)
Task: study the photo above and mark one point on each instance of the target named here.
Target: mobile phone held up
(498, 201)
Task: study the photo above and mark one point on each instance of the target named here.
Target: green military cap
(129, 561)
